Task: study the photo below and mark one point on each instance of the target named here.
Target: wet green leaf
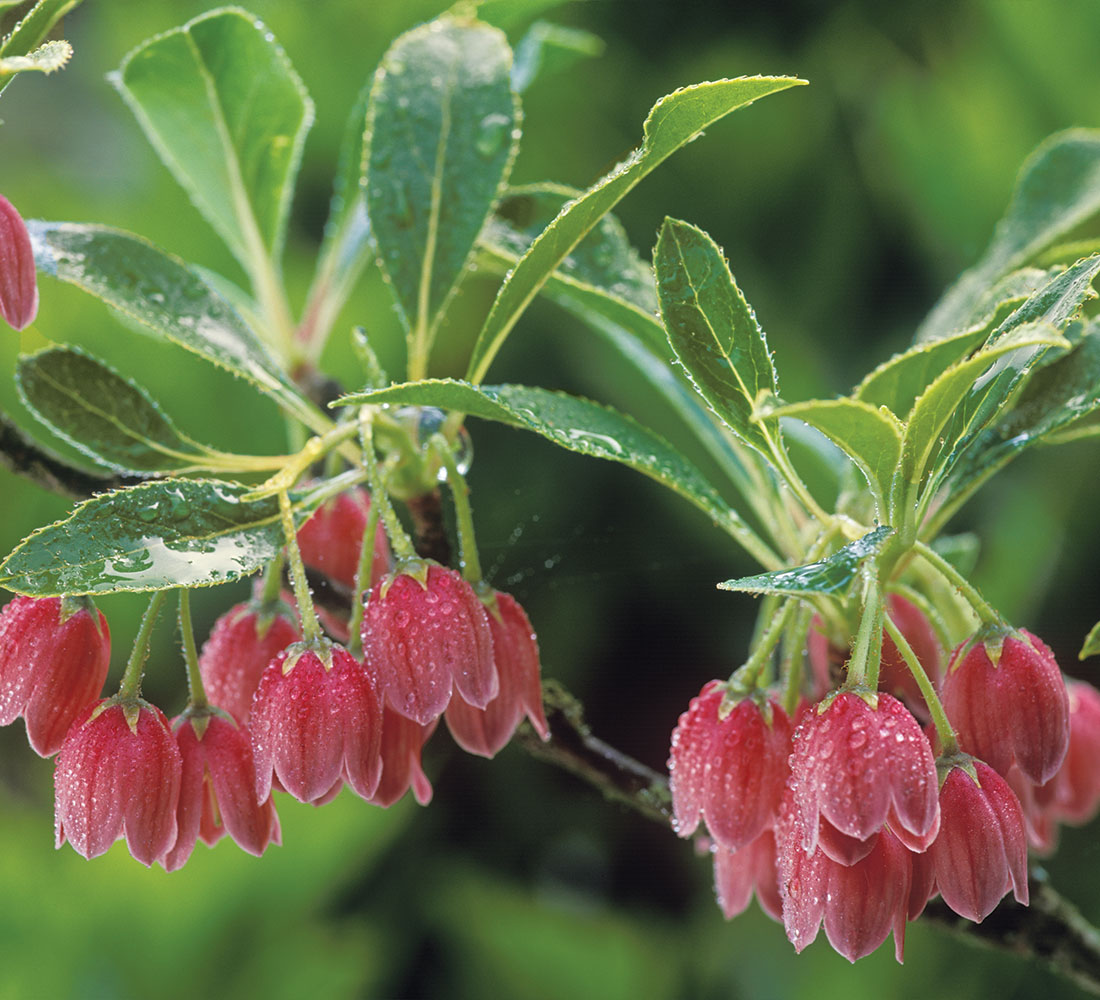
(977, 386)
(1091, 646)
(1057, 190)
(870, 437)
(550, 48)
(164, 296)
(29, 33)
(712, 329)
(676, 119)
(47, 58)
(575, 424)
(102, 414)
(223, 107)
(441, 127)
(177, 533)
(829, 576)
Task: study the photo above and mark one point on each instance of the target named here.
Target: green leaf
(676, 119)
(102, 414)
(178, 533)
(1056, 396)
(577, 425)
(713, 330)
(164, 296)
(1058, 189)
(1092, 643)
(442, 135)
(47, 58)
(550, 48)
(983, 381)
(1056, 302)
(223, 107)
(870, 437)
(829, 576)
(28, 34)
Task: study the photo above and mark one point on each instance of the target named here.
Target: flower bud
(316, 721)
(54, 657)
(1010, 707)
(485, 731)
(118, 774)
(425, 638)
(981, 850)
(18, 282)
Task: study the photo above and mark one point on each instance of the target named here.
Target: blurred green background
(844, 208)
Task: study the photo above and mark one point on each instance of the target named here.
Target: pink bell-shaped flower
(731, 771)
(485, 731)
(981, 850)
(402, 743)
(856, 766)
(1011, 706)
(737, 874)
(118, 774)
(18, 282)
(242, 643)
(316, 720)
(218, 789)
(1074, 792)
(424, 638)
(54, 657)
(331, 539)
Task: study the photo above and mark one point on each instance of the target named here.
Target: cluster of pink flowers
(281, 713)
(844, 816)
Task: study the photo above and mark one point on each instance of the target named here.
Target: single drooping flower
(402, 743)
(730, 771)
(1007, 700)
(1073, 794)
(859, 904)
(242, 643)
(738, 874)
(54, 657)
(118, 774)
(331, 539)
(18, 282)
(858, 760)
(425, 637)
(981, 850)
(316, 721)
(485, 731)
(218, 789)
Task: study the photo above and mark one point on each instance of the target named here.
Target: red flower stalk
(118, 774)
(981, 850)
(18, 283)
(218, 789)
(485, 731)
(737, 874)
(425, 639)
(857, 766)
(1010, 707)
(732, 771)
(242, 643)
(402, 743)
(316, 720)
(53, 664)
(331, 539)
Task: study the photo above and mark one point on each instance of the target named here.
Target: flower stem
(135, 665)
(273, 581)
(399, 538)
(747, 676)
(190, 653)
(364, 572)
(863, 667)
(984, 610)
(464, 516)
(311, 627)
(946, 734)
